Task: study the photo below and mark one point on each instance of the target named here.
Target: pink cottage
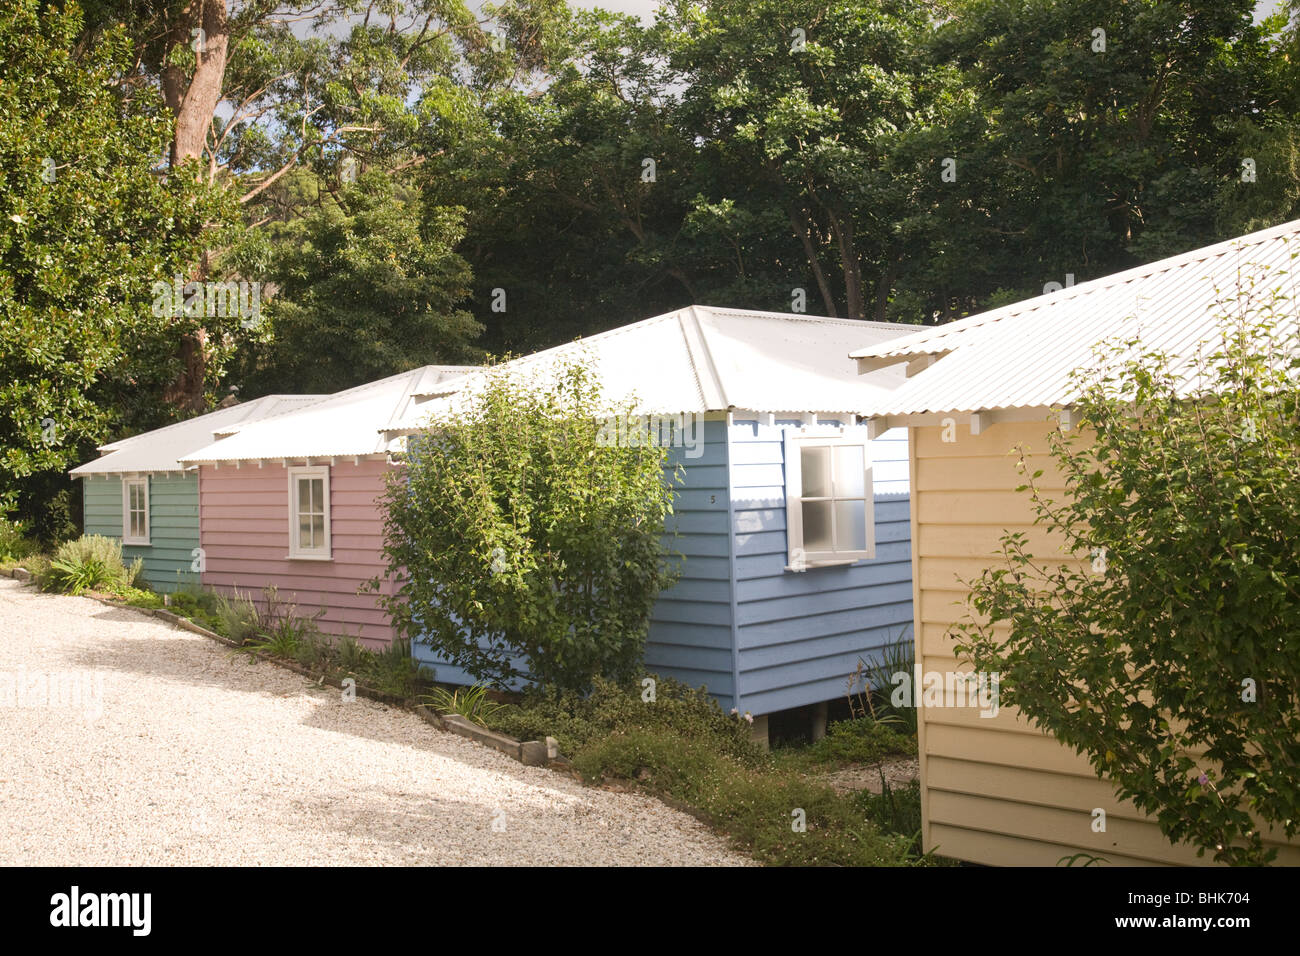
(291, 502)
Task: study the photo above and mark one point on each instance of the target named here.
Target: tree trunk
(843, 231)
(204, 27)
(799, 222)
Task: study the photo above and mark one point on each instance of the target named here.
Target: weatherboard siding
(691, 625)
(245, 540)
(173, 526)
(801, 634)
(995, 790)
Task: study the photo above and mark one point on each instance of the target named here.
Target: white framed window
(828, 504)
(135, 510)
(309, 513)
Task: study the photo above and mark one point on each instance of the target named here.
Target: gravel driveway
(124, 740)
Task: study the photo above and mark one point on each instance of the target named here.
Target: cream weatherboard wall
(994, 789)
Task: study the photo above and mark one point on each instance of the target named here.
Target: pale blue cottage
(793, 516)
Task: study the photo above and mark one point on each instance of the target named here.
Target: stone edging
(530, 753)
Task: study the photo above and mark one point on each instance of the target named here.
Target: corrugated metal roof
(347, 423)
(161, 449)
(1022, 355)
(705, 359)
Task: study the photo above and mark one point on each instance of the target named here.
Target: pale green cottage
(138, 492)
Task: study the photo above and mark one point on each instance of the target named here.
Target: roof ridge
(193, 419)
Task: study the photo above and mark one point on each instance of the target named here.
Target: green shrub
(575, 720)
(14, 543)
(237, 618)
(87, 563)
(519, 531)
(860, 741)
(392, 670)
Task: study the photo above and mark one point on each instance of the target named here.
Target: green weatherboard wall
(173, 525)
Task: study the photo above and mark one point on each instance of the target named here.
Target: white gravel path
(200, 757)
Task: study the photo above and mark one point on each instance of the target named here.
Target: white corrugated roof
(161, 449)
(704, 359)
(1022, 355)
(347, 423)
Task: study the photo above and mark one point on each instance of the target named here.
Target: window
(828, 505)
(135, 511)
(309, 513)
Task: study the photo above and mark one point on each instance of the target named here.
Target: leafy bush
(14, 543)
(576, 720)
(1168, 651)
(89, 562)
(860, 741)
(517, 532)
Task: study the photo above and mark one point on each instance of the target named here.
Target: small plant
(88, 563)
(896, 657)
(237, 618)
(392, 670)
(895, 811)
(472, 703)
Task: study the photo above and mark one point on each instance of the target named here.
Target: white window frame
(127, 485)
(797, 558)
(323, 552)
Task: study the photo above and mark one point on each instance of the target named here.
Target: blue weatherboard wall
(785, 638)
(691, 625)
(173, 525)
(800, 634)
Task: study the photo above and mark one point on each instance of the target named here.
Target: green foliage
(895, 811)
(896, 657)
(92, 562)
(88, 227)
(1169, 653)
(472, 703)
(756, 806)
(577, 720)
(523, 544)
(860, 741)
(14, 542)
(237, 618)
(369, 285)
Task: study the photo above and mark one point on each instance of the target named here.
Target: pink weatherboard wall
(244, 533)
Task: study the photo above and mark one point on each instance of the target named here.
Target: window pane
(816, 466)
(817, 525)
(304, 495)
(304, 532)
(318, 531)
(318, 496)
(851, 525)
(849, 467)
